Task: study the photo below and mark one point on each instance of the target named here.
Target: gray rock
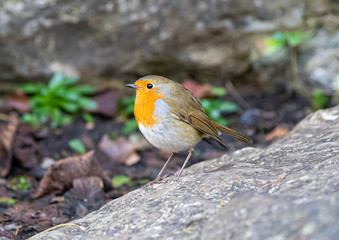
(104, 38)
(259, 216)
(288, 190)
(320, 58)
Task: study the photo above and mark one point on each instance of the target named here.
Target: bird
(171, 118)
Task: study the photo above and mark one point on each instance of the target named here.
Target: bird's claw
(159, 179)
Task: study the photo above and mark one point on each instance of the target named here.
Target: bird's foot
(159, 179)
(168, 175)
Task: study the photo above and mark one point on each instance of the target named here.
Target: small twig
(61, 225)
(279, 179)
(296, 83)
(235, 94)
(16, 232)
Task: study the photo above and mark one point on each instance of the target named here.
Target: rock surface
(103, 38)
(288, 190)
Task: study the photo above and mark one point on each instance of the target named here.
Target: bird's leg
(159, 178)
(187, 158)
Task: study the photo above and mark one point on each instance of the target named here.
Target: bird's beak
(133, 86)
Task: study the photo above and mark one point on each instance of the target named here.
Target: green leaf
(219, 91)
(319, 100)
(119, 180)
(228, 107)
(82, 89)
(77, 146)
(68, 81)
(30, 119)
(142, 181)
(87, 117)
(126, 106)
(130, 126)
(138, 182)
(56, 81)
(214, 114)
(69, 107)
(296, 38)
(279, 36)
(66, 119)
(56, 116)
(67, 94)
(19, 183)
(7, 200)
(37, 100)
(130, 109)
(216, 103)
(87, 103)
(43, 113)
(280, 40)
(206, 103)
(31, 88)
(273, 45)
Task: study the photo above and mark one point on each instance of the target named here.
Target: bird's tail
(232, 132)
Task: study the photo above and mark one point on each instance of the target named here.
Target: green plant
(291, 41)
(319, 100)
(215, 107)
(7, 200)
(58, 101)
(77, 146)
(130, 126)
(125, 110)
(19, 183)
(119, 180)
(281, 40)
(219, 91)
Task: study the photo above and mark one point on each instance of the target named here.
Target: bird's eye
(149, 86)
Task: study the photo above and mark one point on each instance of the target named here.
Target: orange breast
(145, 106)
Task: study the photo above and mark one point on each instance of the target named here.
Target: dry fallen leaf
(7, 134)
(199, 90)
(90, 188)
(60, 175)
(120, 150)
(25, 148)
(277, 133)
(18, 101)
(28, 214)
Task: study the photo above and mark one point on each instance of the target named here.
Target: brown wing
(191, 112)
(232, 132)
(201, 122)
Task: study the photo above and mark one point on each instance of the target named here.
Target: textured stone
(258, 216)
(104, 38)
(320, 58)
(287, 190)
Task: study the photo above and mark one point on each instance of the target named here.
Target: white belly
(168, 138)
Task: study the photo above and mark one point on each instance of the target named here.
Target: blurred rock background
(209, 41)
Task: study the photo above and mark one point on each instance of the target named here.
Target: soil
(270, 117)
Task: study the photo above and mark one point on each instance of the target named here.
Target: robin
(172, 118)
